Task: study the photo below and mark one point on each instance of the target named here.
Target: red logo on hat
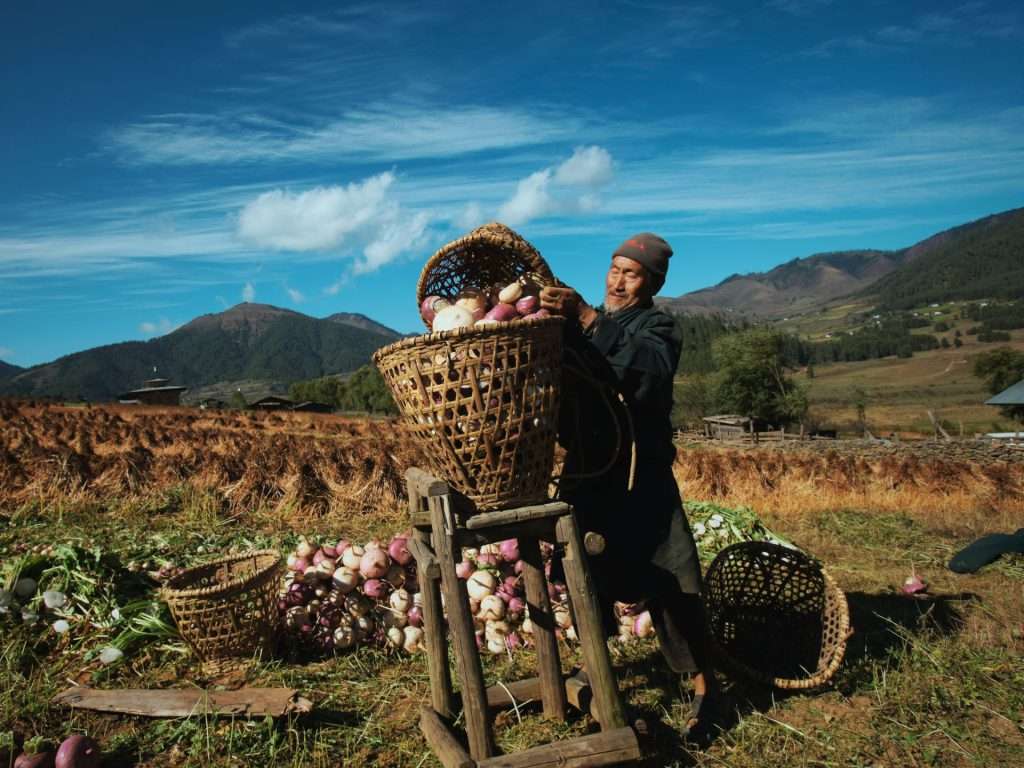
(637, 244)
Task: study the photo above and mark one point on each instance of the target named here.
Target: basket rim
(492, 233)
(175, 593)
(458, 334)
(821, 676)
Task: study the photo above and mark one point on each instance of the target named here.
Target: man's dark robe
(650, 550)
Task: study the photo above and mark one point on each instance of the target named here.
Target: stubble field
(934, 680)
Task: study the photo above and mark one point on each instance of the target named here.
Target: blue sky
(162, 161)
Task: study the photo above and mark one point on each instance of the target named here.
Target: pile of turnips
(474, 307)
(338, 596)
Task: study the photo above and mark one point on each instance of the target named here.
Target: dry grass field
(928, 681)
(899, 392)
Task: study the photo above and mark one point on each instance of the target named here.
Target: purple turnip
(527, 305)
(399, 551)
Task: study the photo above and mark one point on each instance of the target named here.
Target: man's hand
(564, 301)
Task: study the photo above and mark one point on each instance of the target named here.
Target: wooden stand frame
(440, 531)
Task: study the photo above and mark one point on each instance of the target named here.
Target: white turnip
(450, 318)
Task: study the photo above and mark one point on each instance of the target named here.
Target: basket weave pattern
(490, 256)
(775, 615)
(483, 403)
(226, 610)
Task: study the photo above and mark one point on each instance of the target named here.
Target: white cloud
(249, 292)
(160, 328)
(558, 190)
(336, 219)
(392, 239)
(295, 295)
(315, 220)
(6, 352)
(531, 199)
(588, 167)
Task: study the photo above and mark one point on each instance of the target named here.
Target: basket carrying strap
(605, 390)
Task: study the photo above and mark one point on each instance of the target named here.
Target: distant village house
(154, 392)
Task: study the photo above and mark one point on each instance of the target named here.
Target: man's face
(626, 285)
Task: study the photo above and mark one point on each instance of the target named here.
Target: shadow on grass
(882, 622)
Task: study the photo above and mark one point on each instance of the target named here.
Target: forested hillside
(980, 260)
(249, 341)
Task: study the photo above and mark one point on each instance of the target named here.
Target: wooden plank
(426, 563)
(516, 515)
(542, 617)
(441, 696)
(543, 529)
(587, 613)
(245, 702)
(460, 627)
(422, 483)
(619, 745)
(521, 692)
(442, 741)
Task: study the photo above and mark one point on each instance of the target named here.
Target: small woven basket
(775, 615)
(482, 403)
(490, 256)
(226, 610)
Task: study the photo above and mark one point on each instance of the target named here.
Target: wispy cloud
(161, 327)
(6, 352)
(249, 292)
(798, 7)
(295, 295)
(967, 24)
(390, 132)
(364, 21)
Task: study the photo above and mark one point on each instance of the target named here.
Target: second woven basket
(775, 615)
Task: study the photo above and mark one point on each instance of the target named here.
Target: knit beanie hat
(648, 249)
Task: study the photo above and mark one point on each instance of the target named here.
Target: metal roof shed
(1010, 396)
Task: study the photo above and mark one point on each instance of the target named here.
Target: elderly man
(631, 348)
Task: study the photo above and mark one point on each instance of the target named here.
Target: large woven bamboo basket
(226, 610)
(489, 256)
(775, 615)
(482, 403)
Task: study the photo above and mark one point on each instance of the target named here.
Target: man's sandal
(702, 721)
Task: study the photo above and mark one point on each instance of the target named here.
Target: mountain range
(246, 342)
(984, 258)
(7, 370)
(274, 346)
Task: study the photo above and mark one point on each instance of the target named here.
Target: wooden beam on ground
(442, 741)
(521, 692)
(619, 745)
(245, 702)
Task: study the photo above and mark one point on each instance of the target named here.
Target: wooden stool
(441, 528)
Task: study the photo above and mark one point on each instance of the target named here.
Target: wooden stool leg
(441, 695)
(610, 712)
(543, 620)
(460, 624)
